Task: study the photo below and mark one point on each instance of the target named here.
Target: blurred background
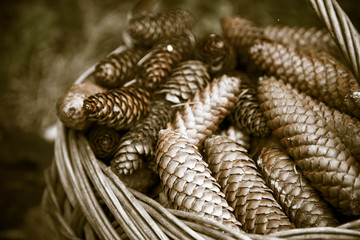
(46, 45)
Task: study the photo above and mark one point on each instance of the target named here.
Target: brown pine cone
(139, 142)
(237, 135)
(185, 80)
(216, 52)
(117, 69)
(103, 141)
(245, 190)
(187, 181)
(323, 158)
(298, 198)
(147, 29)
(324, 79)
(118, 108)
(69, 106)
(202, 114)
(157, 65)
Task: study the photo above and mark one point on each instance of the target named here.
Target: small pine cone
(118, 68)
(323, 158)
(157, 65)
(298, 198)
(301, 37)
(216, 52)
(324, 79)
(139, 142)
(187, 181)
(247, 115)
(244, 188)
(186, 79)
(103, 141)
(69, 106)
(202, 114)
(118, 108)
(147, 29)
(237, 135)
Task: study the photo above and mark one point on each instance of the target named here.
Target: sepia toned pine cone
(69, 106)
(201, 115)
(303, 38)
(216, 52)
(103, 141)
(118, 108)
(185, 80)
(147, 29)
(187, 181)
(139, 142)
(323, 79)
(245, 190)
(158, 64)
(300, 201)
(117, 69)
(247, 115)
(237, 135)
(324, 160)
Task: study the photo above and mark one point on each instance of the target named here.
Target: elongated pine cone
(187, 181)
(117, 69)
(245, 190)
(147, 29)
(324, 160)
(202, 114)
(216, 52)
(324, 79)
(247, 114)
(69, 106)
(298, 198)
(118, 108)
(237, 135)
(158, 64)
(139, 142)
(103, 141)
(185, 80)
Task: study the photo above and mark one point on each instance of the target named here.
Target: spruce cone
(247, 115)
(300, 201)
(187, 181)
(103, 141)
(186, 79)
(203, 113)
(323, 158)
(237, 135)
(118, 108)
(139, 142)
(157, 65)
(69, 106)
(245, 190)
(119, 68)
(320, 78)
(147, 29)
(216, 53)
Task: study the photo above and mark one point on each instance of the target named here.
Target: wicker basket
(84, 199)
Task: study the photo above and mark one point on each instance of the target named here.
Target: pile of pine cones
(256, 127)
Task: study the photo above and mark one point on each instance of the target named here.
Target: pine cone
(69, 106)
(139, 142)
(202, 114)
(244, 188)
(320, 78)
(323, 158)
(118, 108)
(216, 52)
(103, 141)
(147, 29)
(186, 79)
(187, 182)
(119, 68)
(298, 198)
(157, 65)
(247, 115)
(237, 135)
